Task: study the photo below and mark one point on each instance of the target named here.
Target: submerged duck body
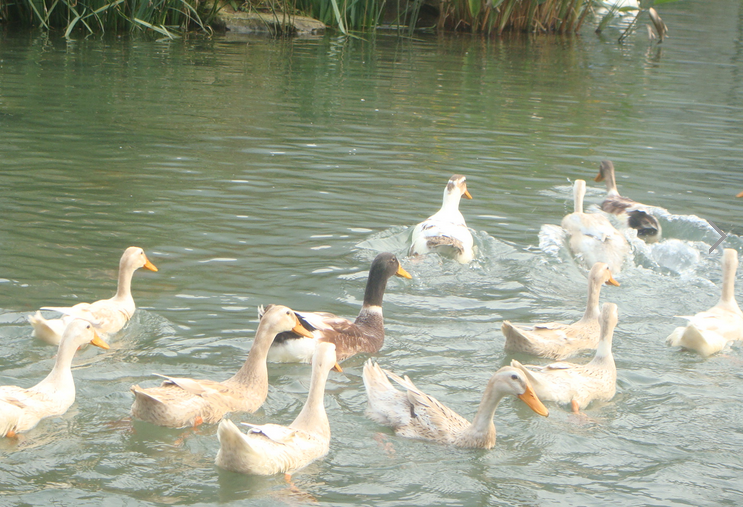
(635, 214)
(21, 409)
(414, 414)
(446, 232)
(181, 402)
(555, 340)
(364, 335)
(108, 315)
(579, 384)
(709, 331)
(592, 238)
(268, 449)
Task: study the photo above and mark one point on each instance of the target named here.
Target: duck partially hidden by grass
(108, 315)
(181, 402)
(579, 384)
(555, 340)
(635, 214)
(364, 335)
(269, 449)
(414, 414)
(446, 232)
(707, 332)
(21, 409)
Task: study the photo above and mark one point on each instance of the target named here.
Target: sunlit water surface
(255, 171)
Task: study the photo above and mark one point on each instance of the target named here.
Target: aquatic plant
(169, 17)
(166, 17)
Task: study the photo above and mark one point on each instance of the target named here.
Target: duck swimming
(414, 414)
(181, 402)
(364, 335)
(445, 231)
(21, 409)
(108, 315)
(633, 213)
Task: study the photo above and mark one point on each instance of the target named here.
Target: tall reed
(166, 17)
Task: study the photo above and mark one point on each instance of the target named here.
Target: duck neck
(375, 287)
(61, 375)
(611, 182)
(592, 306)
(729, 267)
(313, 417)
(482, 427)
(254, 372)
(451, 201)
(603, 351)
(578, 192)
(124, 289)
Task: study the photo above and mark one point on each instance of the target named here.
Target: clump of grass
(167, 17)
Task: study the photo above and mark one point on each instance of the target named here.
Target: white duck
(364, 335)
(269, 449)
(707, 332)
(21, 409)
(180, 401)
(446, 231)
(579, 384)
(414, 414)
(556, 340)
(108, 315)
(592, 237)
(635, 214)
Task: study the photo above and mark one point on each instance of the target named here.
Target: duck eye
(515, 377)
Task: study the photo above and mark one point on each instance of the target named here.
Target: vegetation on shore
(169, 17)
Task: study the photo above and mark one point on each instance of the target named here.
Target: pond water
(258, 171)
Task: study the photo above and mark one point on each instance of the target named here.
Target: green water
(255, 171)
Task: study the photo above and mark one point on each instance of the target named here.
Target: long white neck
(603, 351)
(592, 306)
(60, 378)
(451, 201)
(579, 190)
(124, 289)
(729, 267)
(313, 417)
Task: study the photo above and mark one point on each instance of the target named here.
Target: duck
(445, 231)
(414, 414)
(579, 384)
(707, 332)
(268, 449)
(555, 340)
(180, 402)
(364, 335)
(635, 214)
(592, 237)
(108, 315)
(22, 408)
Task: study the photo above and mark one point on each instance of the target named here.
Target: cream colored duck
(364, 335)
(707, 332)
(181, 402)
(21, 409)
(636, 215)
(446, 232)
(579, 384)
(555, 340)
(108, 315)
(414, 414)
(592, 237)
(269, 449)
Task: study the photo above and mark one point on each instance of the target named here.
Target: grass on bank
(168, 17)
